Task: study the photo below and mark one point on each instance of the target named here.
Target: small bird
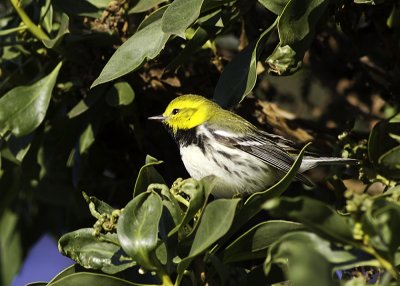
(243, 158)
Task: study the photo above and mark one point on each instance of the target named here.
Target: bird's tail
(312, 162)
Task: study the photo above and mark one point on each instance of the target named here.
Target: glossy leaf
(296, 28)
(379, 141)
(308, 258)
(93, 253)
(120, 94)
(315, 215)
(23, 108)
(239, 76)
(137, 228)
(85, 278)
(147, 175)
(145, 44)
(144, 5)
(180, 15)
(215, 222)
(254, 243)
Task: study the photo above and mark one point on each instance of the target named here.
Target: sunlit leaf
(94, 253)
(275, 6)
(296, 27)
(315, 215)
(308, 258)
(215, 222)
(137, 228)
(120, 94)
(145, 44)
(144, 5)
(85, 278)
(23, 108)
(255, 242)
(180, 15)
(147, 175)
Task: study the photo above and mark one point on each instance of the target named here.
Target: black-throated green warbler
(214, 141)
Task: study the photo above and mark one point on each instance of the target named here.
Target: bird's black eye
(175, 111)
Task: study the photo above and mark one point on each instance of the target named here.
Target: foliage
(59, 137)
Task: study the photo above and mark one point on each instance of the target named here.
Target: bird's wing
(260, 147)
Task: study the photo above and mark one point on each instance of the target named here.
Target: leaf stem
(34, 29)
(165, 279)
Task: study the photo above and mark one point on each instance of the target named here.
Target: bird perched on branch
(243, 158)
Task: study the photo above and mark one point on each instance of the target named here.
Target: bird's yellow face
(186, 112)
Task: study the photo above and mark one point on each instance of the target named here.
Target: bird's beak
(157, 117)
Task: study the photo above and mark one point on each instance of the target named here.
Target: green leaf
(86, 139)
(390, 163)
(197, 199)
(23, 108)
(314, 214)
(275, 6)
(62, 31)
(308, 258)
(144, 5)
(37, 284)
(10, 247)
(380, 224)
(215, 222)
(200, 37)
(180, 15)
(296, 27)
(239, 76)
(85, 278)
(145, 44)
(94, 252)
(137, 228)
(379, 141)
(120, 94)
(147, 175)
(97, 207)
(254, 243)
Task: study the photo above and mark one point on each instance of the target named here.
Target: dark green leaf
(97, 207)
(308, 258)
(296, 28)
(94, 252)
(147, 175)
(23, 108)
(84, 278)
(145, 44)
(144, 5)
(180, 15)
(315, 215)
(10, 247)
(200, 37)
(86, 139)
(239, 76)
(62, 31)
(379, 141)
(253, 244)
(275, 6)
(390, 162)
(137, 228)
(121, 93)
(215, 222)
